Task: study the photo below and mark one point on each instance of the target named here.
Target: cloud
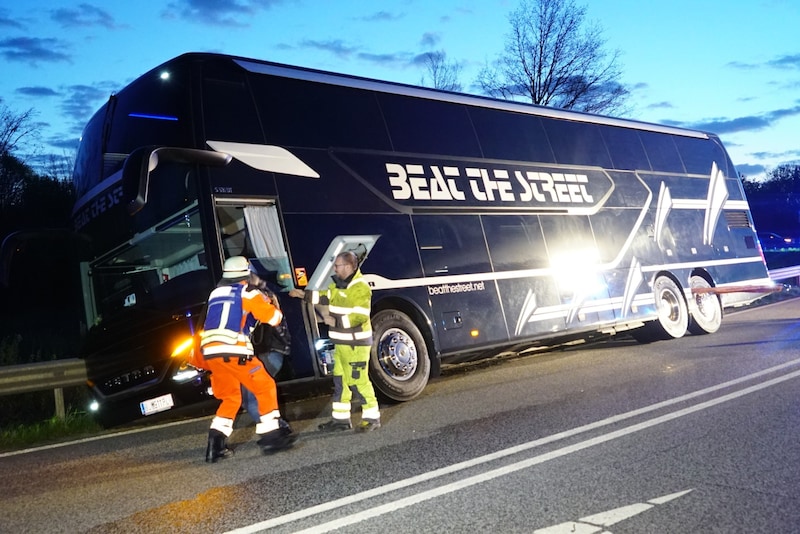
(81, 101)
(791, 61)
(786, 62)
(726, 126)
(399, 59)
(34, 50)
(743, 124)
(742, 66)
(64, 143)
(787, 154)
(336, 47)
(750, 169)
(430, 39)
(660, 105)
(37, 91)
(382, 16)
(8, 22)
(343, 50)
(83, 16)
(216, 13)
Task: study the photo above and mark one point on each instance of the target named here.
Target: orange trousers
(227, 379)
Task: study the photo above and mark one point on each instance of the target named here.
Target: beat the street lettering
(449, 183)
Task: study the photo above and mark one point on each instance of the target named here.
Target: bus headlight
(185, 373)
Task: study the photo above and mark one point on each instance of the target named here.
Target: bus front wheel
(399, 362)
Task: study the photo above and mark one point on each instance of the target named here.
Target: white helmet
(236, 267)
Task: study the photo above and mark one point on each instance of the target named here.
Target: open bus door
(360, 245)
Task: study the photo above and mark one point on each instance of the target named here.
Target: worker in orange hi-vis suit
(234, 306)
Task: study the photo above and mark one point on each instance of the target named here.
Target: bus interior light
(151, 116)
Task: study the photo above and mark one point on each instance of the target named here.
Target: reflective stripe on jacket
(232, 312)
(350, 309)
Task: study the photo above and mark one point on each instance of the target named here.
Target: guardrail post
(60, 412)
(41, 376)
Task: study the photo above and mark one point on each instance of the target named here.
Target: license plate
(158, 404)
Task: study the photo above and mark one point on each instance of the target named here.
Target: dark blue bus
(483, 225)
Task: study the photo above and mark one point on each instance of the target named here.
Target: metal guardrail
(785, 273)
(59, 374)
(41, 376)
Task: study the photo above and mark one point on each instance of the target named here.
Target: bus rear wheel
(399, 362)
(706, 309)
(673, 313)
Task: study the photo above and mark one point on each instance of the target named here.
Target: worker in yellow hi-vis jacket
(349, 299)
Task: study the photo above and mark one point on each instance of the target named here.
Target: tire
(399, 362)
(673, 313)
(705, 309)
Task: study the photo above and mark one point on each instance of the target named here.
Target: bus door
(360, 245)
(251, 227)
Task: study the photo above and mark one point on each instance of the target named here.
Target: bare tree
(14, 127)
(552, 59)
(442, 74)
(59, 167)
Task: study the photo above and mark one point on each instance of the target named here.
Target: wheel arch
(702, 273)
(672, 276)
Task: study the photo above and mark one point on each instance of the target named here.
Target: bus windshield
(133, 275)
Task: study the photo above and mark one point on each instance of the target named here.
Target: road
(692, 435)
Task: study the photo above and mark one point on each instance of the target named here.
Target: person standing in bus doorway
(349, 299)
(272, 345)
(234, 306)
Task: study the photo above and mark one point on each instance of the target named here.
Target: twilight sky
(731, 67)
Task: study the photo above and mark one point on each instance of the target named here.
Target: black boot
(217, 446)
(282, 438)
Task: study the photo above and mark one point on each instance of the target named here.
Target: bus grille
(737, 219)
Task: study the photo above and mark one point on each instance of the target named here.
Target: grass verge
(53, 430)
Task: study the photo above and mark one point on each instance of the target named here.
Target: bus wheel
(706, 309)
(673, 314)
(399, 362)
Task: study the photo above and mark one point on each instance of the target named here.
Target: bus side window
(232, 230)
(569, 238)
(625, 148)
(515, 242)
(512, 136)
(696, 154)
(428, 126)
(662, 152)
(577, 143)
(451, 244)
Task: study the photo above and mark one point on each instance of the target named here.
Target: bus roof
(346, 80)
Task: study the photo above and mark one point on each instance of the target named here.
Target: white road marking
(97, 438)
(596, 522)
(489, 475)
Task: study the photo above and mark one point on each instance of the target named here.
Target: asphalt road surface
(700, 434)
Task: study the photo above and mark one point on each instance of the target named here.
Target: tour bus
(481, 225)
